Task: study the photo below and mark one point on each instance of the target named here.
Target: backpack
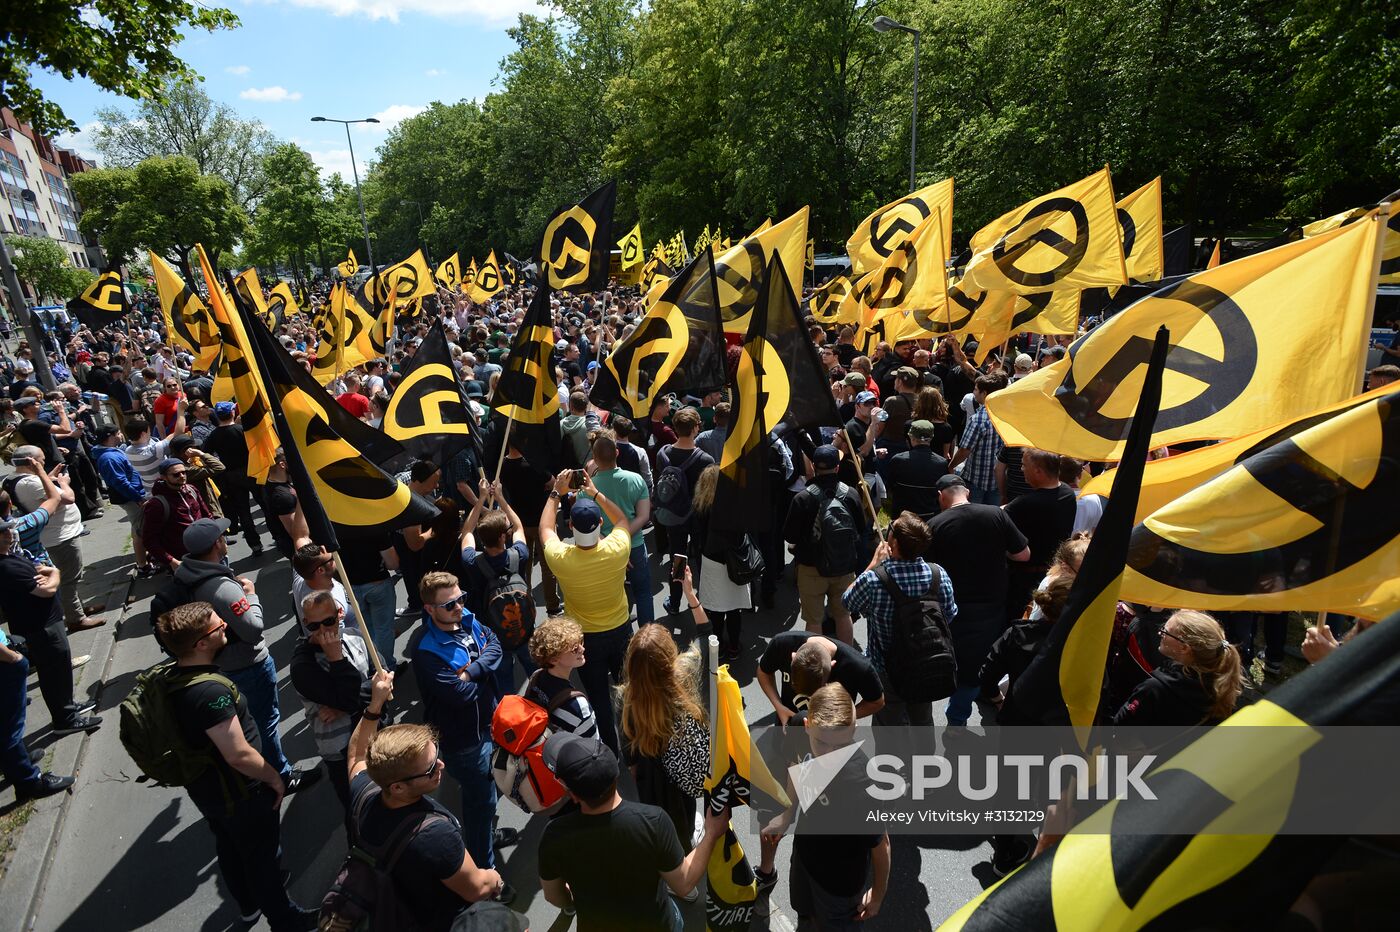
(171, 595)
(672, 494)
(149, 731)
(837, 535)
(507, 606)
(363, 897)
(920, 662)
(518, 728)
(10, 440)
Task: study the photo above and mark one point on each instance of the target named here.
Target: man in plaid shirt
(902, 555)
(980, 445)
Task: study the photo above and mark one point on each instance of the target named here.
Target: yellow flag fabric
(396, 288)
(879, 234)
(732, 755)
(1214, 260)
(826, 303)
(742, 268)
(488, 280)
(248, 389)
(251, 291)
(1140, 219)
(449, 274)
(914, 276)
(282, 301)
(469, 276)
(655, 273)
(811, 260)
(187, 320)
(1255, 342)
(676, 252)
(766, 224)
(1390, 247)
(957, 315)
(350, 266)
(632, 247)
(330, 348)
(1004, 314)
(1065, 239)
(1327, 224)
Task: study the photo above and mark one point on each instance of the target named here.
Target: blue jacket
(461, 710)
(122, 479)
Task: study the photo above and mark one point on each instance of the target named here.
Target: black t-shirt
(1046, 517)
(434, 855)
(571, 370)
(198, 708)
(971, 542)
(227, 443)
(525, 489)
(1016, 484)
(856, 428)
(845, 354)
(912, 478)
(279, 498)
(613, 864)
(838, 864)
(25, 610)
(363, 564)
(850, 668)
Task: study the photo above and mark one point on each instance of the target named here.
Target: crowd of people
(912, 495)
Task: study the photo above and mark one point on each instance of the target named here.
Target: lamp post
(364, 221)
(885, 24)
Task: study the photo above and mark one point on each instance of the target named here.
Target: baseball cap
(201, 535)
(826, 457)
(587, 521)
(855, 379)
(950, 481)
(921, 429)
(907, 373)
(562, 345)
(223, 408)
(592, 365)
(474, 389)
(586, 766)
(25, 401)
(866, 398)
(1023, 361)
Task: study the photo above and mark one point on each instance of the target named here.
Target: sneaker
(301, 779)
(86, 624)
(49, 784)
(81, 659)
(86, 707)
(250, 917)
(81, 723)
(504, 838)
(230, 537)
(506, 896)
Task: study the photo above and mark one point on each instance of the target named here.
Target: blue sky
(291, 60)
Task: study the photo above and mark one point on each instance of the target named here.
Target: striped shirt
(30, 530)
(868, 596)
(984, 444)
(146, 458)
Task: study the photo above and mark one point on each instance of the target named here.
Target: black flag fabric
(527, 393)
(428, 413)
(104, 301)
(677, 347)
(577, 243)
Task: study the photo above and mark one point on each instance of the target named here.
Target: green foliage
(44, 266)
(124, 46)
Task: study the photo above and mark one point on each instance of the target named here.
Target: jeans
(47, 647)
(604, 652)
(68, 557)
(552, 604)
(471, 768)
(377, 605)
(960, 704)
(983, 496)
(258, 686)
(673, 921)
(248, 839)
(639, 584)
(15, 764)
(898, 712)
(505, 673)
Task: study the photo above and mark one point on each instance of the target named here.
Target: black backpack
(672, 494)
(837, 534)
(507, 607)
(920, 662)
(363, 897)
(171, 595)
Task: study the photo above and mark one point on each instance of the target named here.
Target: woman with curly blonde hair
(665, 732)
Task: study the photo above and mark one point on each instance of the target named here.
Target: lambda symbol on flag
(569, 246)
(1007, 256)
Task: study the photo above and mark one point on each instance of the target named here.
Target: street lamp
(885, 24)
(364, 221)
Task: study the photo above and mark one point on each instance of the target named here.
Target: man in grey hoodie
(204, 572)
(574, 427)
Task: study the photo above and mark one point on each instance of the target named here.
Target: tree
(293, 212)
(163, 204)
(184, 121)
(43, 265)
(127, 48)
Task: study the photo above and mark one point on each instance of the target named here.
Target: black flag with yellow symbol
(1247, 352)
(510, 275)
(656, 270)
(449, 274)
(187, 320)
(527, 392)
(881, 233)
(428, 412)
(1140, 220)
(826, 303)
(632, 247)
(1303, 523)
(1197, 857)
(488, 281)
(677, 347)
(102, 303)
(741, 269)
(577, 242)
(1068, 238)
(778, 379)
(241, 374)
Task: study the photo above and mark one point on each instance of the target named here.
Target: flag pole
(359, 615)
(1382, 218)
(505, 445)
(860, 474)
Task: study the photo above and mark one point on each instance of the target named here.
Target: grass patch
(11, 824)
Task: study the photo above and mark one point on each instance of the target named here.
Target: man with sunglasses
(240, 792)
(173, 506)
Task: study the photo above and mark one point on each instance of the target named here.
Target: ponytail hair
(1213, 659)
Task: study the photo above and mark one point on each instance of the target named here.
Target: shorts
(815, 592)
(135, 516)
(816, 908)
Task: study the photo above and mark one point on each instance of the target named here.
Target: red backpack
(518, 729)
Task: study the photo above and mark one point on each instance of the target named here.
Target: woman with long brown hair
(929, 405)
(1199, 681)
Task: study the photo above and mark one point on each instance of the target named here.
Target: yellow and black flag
(1063, 683)
(1247, 352)
(469, 276)
(1068, 238)
(914, 276)
(527, 393)
(1390, 246)
(330, 332)
(656, 269)
(1004, 314)
(677, 347)
(103, 303)
(827, 303)
(510, 276)
(187, 320)
(449, 274)
(241, 374)
(362, 333)
(250, 289)
(1305, 523)
(676, 253)
(879, 234)
(577, 242)
(428, 412)
(959, 314)
(741, 269)
(350, 266)
(396, 288)
(488, 280)
(778, 380)
(282, 302)
(1140, 219)
(632, 247)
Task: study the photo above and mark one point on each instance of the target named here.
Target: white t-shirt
(1088, 509)
(65, 525)
(300, 590)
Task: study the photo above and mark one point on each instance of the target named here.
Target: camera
(576, 479)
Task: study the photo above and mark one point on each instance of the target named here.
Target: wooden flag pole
(505, 445)
(860, 474)
(359, 615)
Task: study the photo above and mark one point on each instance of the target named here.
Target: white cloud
(333, 160)
(434, 72)
(390, 117)
(274, 94)
(81, 142)
(487, 11)
(238, 69)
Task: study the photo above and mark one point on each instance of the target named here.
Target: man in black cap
(609, 858)
(827, 526)
(911, 475)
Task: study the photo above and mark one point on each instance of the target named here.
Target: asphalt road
(131, 856)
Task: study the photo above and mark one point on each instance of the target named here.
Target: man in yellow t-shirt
(591, 571)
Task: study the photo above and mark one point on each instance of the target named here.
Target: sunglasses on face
(450, 604)
(214, 630)
(432, 769)
(314, 626)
